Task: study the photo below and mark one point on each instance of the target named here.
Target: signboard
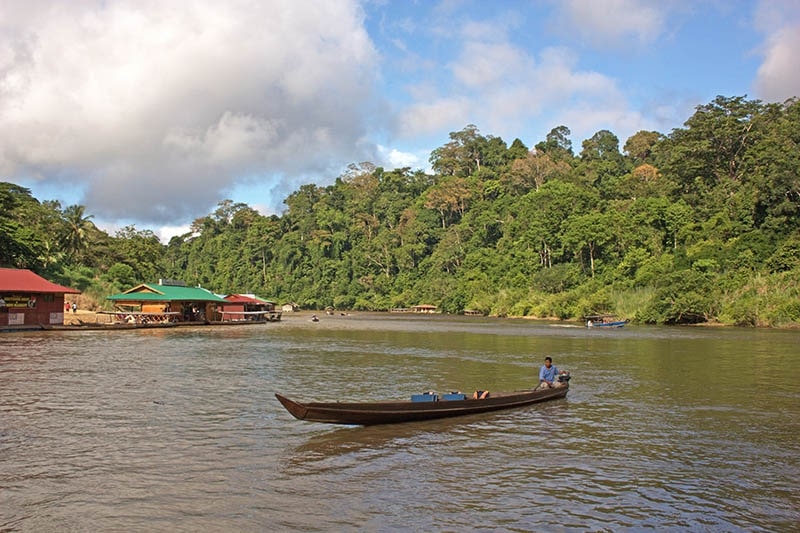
(17, 301)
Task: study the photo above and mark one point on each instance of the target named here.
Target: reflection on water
(178, 429)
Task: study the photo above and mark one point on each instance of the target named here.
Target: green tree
(710, 154)
(685, 297)
(121, 277)
(449, 198)
(467, 152)
(602, 165)
(699, 225)
(76, 233)
(142, 251)
(557, 144)
(532, 171)
(775, 164)
(639, 146)
(14, 250)
(589, 233)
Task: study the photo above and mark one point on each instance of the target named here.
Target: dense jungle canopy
(698, 225)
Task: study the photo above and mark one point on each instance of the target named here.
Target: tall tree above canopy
(715, 141)
(462, 155)
(557, 144)
(602, 164)
(301, 207)
(494, 153)
(358, 169)
(517, 150)
(228, 209)
(602, 145)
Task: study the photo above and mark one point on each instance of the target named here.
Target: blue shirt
(548, 374)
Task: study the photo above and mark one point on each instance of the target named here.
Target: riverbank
(83, 317)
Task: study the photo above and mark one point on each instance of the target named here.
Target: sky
(150, 113)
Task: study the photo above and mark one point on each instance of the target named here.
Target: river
(670, 429)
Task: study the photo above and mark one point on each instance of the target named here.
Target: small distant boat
(604, 321)
(393, 412)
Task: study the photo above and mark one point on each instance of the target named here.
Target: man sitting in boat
(548, 375)
(480, 394)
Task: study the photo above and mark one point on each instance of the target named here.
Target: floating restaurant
(168, 302)
(171, 302)
(248, 307)
(28, 301)
(421, 308)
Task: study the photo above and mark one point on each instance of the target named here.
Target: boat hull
(617, 324)
(373, 413)
(604, 321)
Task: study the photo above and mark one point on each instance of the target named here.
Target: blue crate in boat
(454, 396)
(426, 397)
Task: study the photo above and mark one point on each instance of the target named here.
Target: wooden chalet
(165, 302)
(28, 301)
(290, 307)
(247, 308)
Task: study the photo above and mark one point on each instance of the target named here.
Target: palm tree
(76, 231)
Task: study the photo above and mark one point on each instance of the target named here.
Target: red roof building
(248, 307)
(28, 300)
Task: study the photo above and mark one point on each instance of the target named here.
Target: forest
(699, 225)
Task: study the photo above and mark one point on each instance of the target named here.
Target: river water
(670, 429)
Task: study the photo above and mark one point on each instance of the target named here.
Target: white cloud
(165, 233)
(159, 107)
(484, 64)
(426, 117)
(395, 158)
(778, 76)
(505, 88)
(613, 22)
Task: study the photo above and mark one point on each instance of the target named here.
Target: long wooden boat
(604, 321)
(393, 412)
(614, 324)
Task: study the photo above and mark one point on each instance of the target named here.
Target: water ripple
(178, 430)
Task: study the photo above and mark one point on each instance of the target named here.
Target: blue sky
(150, 113)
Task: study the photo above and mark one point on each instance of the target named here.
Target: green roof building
(167, 301)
